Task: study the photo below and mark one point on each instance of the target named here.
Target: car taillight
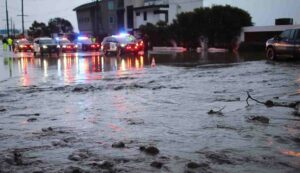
(141, 43)
(98, 45)
(93, 46)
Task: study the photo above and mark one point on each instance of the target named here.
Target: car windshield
(23, 42)
(64, 41)
(126, 39)
(86, 41)
(47, 41)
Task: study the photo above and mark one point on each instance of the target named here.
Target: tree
(38, 29)
(60, 25)
(219, 24)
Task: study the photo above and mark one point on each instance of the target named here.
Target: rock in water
(269, 103)
(150, 150)
(194, 165)
(118, 145)
(156, 164)
(106, 165)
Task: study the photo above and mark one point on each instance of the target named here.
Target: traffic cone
(153, 64)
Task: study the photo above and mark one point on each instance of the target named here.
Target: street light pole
(7, 22)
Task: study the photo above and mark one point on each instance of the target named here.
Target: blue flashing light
(82, 38)
(123, 34)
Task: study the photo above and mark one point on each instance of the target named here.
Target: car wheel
(271, 53)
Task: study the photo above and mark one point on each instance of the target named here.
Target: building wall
(134, 3)
(102, 21)
(264, 12)
(263, 33)
(85, 21)
(151, 17)
(175, 7)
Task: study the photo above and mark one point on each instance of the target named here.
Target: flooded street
(64, 114)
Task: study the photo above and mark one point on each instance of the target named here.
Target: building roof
(276, 28)
(86, 6)
(152, 6)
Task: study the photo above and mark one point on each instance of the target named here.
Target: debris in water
(260, 119)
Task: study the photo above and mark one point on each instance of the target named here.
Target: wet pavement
(153, 113)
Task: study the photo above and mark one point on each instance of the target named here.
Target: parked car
(44, 45)
(23, 45)
(86, 44)
(121, 44)
(65, 45)
(286, 44)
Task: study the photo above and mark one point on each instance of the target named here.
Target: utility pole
(22, 15)
(7, 22)
(11, 25)
(23, 28)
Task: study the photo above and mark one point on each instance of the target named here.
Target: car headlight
(64, 46)
(123, 45)
(58, 46)
(76, 46)
(45, 47)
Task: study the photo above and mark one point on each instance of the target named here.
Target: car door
(36, 45)
(282, 45)
(297, 43)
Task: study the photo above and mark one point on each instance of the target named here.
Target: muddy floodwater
(153, 113)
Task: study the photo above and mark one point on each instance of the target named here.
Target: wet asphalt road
(62, 114)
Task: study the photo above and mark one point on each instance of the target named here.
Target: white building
(153, 11)
(129, 5)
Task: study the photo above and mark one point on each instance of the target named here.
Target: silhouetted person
(4, 42)
(10, 43)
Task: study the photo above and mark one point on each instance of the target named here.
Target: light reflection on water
(70, 67)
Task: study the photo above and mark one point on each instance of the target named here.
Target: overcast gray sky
(263, 11)
(40, 10)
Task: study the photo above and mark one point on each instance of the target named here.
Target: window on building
(137, 13)
(111, 19)
(145, 16)
(110, 5)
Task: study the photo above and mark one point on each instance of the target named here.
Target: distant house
(103, 17)
(152, 11)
